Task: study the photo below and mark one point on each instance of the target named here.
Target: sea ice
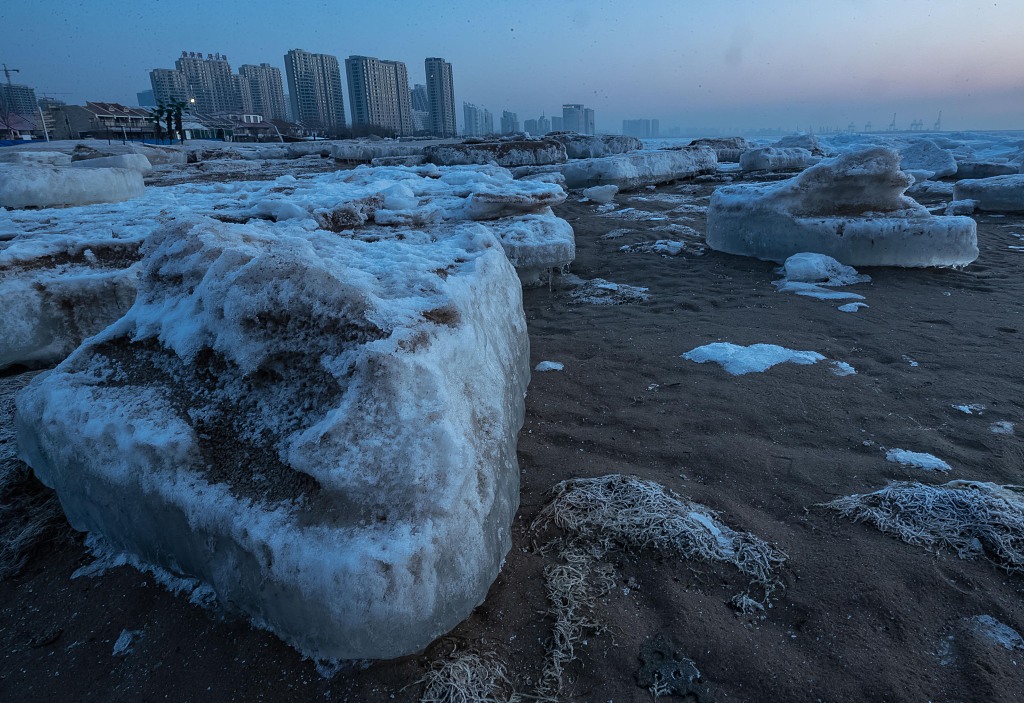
(918, 460)
(983, 169)
(802, 141)
(322, 429)
(851, 208)
(509, 153)
(998, 194)
(35, 158)
(601, 194)
(549, 366)
(727, 149)
(365, 152)
(739, 360)
(1001, 427)
(771, 158)
(598, 291)
(57, 186)
(134, 162)
(926, 155)
(634, 170)
(812, 275)
(595, 146)
(852, 307)
(665, 247)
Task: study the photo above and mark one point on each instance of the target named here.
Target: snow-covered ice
(509, 153)
(970, 408)
(123, 644)
(598, 291)
(851, 208)
(756, 358)
(813, 275)
(323, 429)
(852, 307)
(996, 632)
(134, 162)
(549, 366)
(727, 149)
(1002, 427)
(634, 170)
(984, 169)
(665, 247)
(601, 194)
(918, 460)
(594, 146)
(365, 152)
(772, 158)
(35, 158)
(997, 194)
(926, 155)
(58, 186)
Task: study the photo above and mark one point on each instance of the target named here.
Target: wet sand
(863, 616)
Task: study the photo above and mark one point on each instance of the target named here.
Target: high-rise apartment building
(441, 97)
(588, 121)
(168, 86)
(314, 86)
(577, 118)
(530, 127)
(509, 122)
(420, 102)
(543, 125)
(266, 90)
(556, 123)
(378, 92)
(478, 120)
(19, 100)
(209, 82)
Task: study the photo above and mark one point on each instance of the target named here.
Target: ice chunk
(841, 368)
(365, 152)
(535, 244)
(727, 149)
(322, 429)
(37, 158)
(598, 291)
(852, 307)
(918, 460)
(998, 194)
(123, 645)
(54, 186)
(802, 141)
(739, 360)
(926, 155)
(639, 169)
(983, 169)
(988, 628)
(808, 267)
(549, 366)
(134, 162)
(601, 194)
(1001, 427)
(962, 207)
(771, 158)
(595, 146)
(851, 208)
(524, 152)
(665, 247)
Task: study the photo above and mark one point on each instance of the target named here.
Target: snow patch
(917, 460)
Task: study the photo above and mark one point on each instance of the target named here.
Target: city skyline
(735, 65)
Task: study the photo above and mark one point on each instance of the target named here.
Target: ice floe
(757, 358)
(295, 420)
(918, 460)
(851, 208)
(997, 194)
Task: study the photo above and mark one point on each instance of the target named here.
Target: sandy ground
(863, 616)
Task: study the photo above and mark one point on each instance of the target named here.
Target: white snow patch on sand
(549, 366)
(971, 409)
(123, 645)
(918, 460)
(598, 291)
(852, 307)
(1002, 427)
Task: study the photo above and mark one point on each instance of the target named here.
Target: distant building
(266, 90)
(19, 100)
(419, 98)
(543, 125)
(588, 121)
(478, 120)
(556, 123)
(420, 122)
(101, 121)
(645, 129)
(530, 127)
(168, 86)
(209, 82)
(146, 98)
(314, 86)
(441, 97)
(378, 92)
(509, 122)
(572, 117)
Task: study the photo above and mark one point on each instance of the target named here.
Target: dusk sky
(729, 64)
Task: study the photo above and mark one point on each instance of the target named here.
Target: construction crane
(867, 126)
(892, 125)
(938, 122)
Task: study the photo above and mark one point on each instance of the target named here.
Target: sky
(728, 65)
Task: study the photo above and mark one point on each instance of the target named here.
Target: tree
(178, 106)
(169, 119)
(156, 117)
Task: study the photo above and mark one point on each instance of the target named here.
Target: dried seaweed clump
(465, 677)
(970, 517)
(633, 513)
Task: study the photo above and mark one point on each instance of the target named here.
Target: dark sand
(863, 615)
